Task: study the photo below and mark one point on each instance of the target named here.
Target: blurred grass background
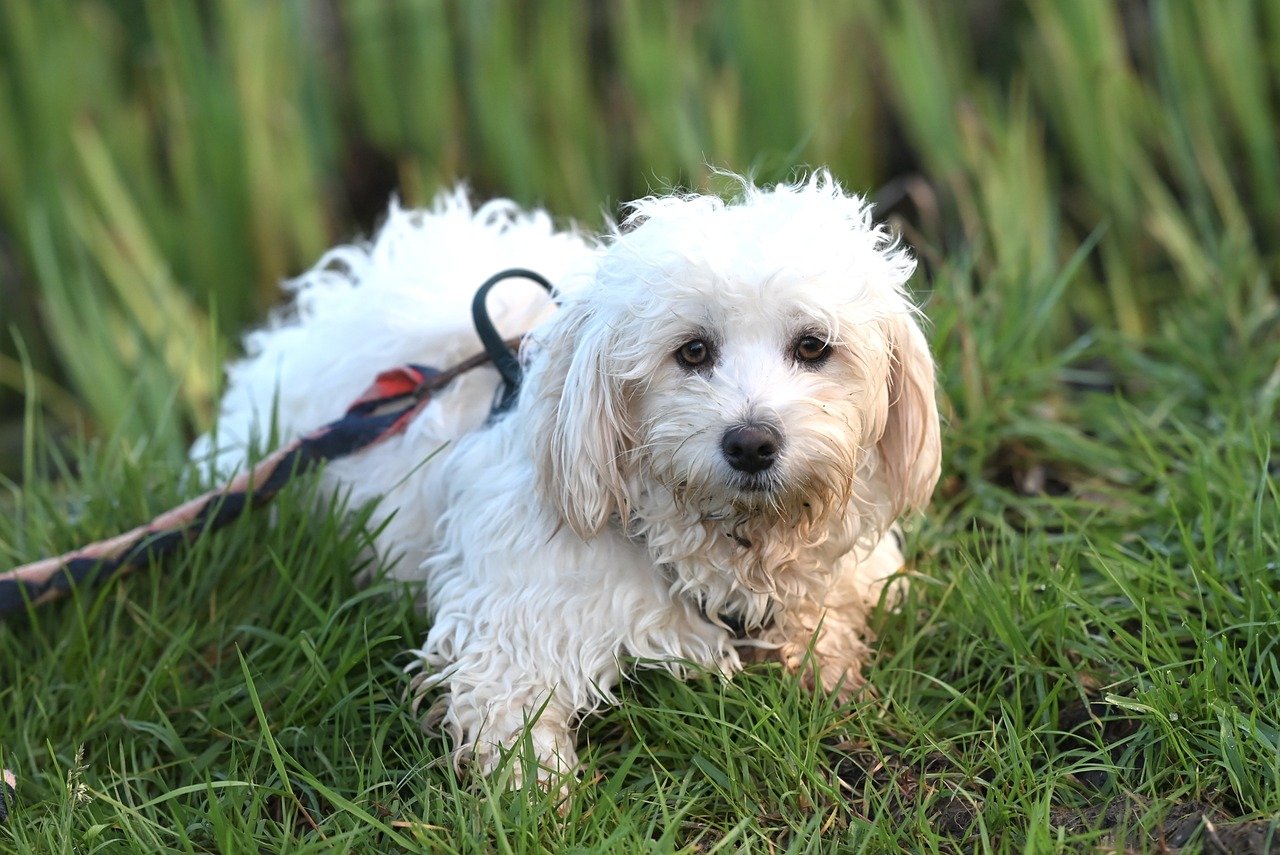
(164, 164)
(1092, 189)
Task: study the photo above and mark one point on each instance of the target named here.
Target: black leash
(503, 357)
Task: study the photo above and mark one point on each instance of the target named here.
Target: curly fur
(599, 522)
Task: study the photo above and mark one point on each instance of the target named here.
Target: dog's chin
(760, 484)
(756, 494)
(770, 495)
(732, 495)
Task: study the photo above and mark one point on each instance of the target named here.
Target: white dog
(717, 429)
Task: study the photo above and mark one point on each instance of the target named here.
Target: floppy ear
(911, 447)
(578, 421)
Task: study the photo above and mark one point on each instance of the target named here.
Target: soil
(893, 787)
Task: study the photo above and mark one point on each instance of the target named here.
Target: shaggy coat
(718, 427)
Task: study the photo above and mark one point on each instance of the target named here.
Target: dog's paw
(553, 767)
(838, 673)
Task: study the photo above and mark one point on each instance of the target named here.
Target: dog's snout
(751, 448)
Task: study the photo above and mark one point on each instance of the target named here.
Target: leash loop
(502, 356)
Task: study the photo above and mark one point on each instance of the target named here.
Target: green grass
(1092, 631)
(250, 698)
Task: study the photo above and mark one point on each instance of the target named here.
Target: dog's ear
(579, 421)
(911, 447)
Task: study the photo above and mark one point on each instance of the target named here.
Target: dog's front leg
(529, 647)
(836, 629)
(494, 698)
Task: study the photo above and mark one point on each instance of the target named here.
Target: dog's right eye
(693, 353)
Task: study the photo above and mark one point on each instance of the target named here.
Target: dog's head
(755, 357)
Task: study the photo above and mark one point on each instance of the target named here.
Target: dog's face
(757, 358)
(757, 400)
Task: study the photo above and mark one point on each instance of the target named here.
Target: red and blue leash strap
(383, 410)
(395, 397)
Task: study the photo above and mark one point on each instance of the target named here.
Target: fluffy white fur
(599, 523)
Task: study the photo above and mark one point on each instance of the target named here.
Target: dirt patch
(883, 786)
(952, 806)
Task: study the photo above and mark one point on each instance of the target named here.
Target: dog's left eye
(693, 353)
(811, 349)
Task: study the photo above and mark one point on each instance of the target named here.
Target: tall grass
(165, 164)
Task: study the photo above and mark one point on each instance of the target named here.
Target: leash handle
(500, 353)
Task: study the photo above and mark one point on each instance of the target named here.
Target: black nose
(751, 448)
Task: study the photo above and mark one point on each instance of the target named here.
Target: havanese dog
(724, 412)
